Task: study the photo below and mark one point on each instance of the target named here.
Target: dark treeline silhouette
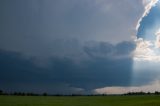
(1, 92)
(45, 94)
(22, 93)
(143, 93)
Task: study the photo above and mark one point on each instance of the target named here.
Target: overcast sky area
(75, 46)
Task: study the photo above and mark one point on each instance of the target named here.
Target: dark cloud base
(107, 65)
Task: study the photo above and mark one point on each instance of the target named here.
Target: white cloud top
(148, 4)
(147, 50)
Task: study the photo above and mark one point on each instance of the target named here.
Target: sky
(79, 46)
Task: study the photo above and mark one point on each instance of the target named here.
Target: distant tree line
(45, 94)
(143, 93)
(22, 94)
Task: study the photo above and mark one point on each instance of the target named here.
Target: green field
(80, 101)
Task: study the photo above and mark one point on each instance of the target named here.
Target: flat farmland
(150, 100)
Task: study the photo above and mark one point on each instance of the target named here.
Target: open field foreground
(80, 101)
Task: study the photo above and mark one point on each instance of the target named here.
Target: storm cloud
(105, 66)
(72, 46)
(35, 27)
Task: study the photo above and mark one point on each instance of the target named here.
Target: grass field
(80, 101)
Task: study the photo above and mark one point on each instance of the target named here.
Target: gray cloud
(90, 73)
(33, 27)
(107, 50)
